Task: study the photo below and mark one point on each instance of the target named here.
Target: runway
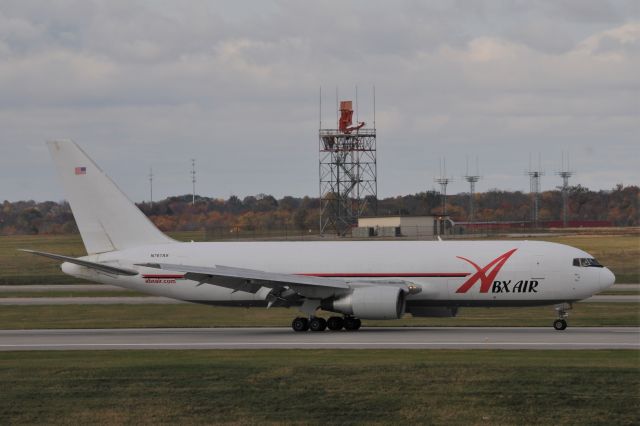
(284, 338)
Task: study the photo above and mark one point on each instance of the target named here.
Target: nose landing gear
(561, 323)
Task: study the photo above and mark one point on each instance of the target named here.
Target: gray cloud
(155, 83)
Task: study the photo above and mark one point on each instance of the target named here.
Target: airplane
(354, 280)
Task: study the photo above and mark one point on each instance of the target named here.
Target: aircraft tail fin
(106, 218)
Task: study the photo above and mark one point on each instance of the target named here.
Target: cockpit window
(586, 262)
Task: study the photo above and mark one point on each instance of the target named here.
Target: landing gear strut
(561, 323)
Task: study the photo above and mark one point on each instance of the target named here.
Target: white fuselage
(450, 273)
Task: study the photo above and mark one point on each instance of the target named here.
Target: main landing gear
(561, 323)
(320, 324)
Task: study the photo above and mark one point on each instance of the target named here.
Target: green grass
(17, 267)
(72, 293)
(190, 315)
(22, 268)
(320, 387)
(620, 293)
(619, 251)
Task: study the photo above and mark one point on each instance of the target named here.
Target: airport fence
(290, 233)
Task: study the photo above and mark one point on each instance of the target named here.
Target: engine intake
(372, 302)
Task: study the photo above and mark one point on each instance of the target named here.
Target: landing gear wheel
(317, 324)
(300, 324)
(559, 324)
(335, 323)
(562, 310)
(352, 324)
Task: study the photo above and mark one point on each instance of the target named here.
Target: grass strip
(320, 387)
(192, 315)
(72, 293)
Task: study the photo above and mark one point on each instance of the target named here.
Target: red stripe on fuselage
(389, 275)
(177, 277)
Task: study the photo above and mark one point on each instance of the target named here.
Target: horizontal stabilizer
(93, 265)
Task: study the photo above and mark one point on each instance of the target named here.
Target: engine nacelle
(433, 311)
(372, 302)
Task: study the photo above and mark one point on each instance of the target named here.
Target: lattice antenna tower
(443, 181)
(534, 188)
(193, 181)
(565, 173)
(347, 169)
(472, 179)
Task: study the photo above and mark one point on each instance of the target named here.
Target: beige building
(402, 226)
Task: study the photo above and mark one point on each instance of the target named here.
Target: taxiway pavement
(285, 338)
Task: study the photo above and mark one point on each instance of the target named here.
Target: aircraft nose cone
(606, 278)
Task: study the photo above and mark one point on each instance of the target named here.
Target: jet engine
(374, 302)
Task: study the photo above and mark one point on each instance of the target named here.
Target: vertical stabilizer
(106, 218)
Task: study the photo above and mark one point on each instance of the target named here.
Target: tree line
(264, 212)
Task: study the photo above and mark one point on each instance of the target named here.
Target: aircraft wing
(251, 280)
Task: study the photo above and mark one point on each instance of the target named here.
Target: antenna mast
(443, 181)
(472, 179)
(347, 171)
(565, 174)
(151, 186)
(534, 189)
(193, 180)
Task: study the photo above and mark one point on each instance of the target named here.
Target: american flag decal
(81, 170)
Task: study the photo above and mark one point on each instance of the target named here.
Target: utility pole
(472, 179)
(443, 181)
(193, 180)
(565, 174)
(151, 186)
(534, 189)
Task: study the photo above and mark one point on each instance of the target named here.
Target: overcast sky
(235, 85)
